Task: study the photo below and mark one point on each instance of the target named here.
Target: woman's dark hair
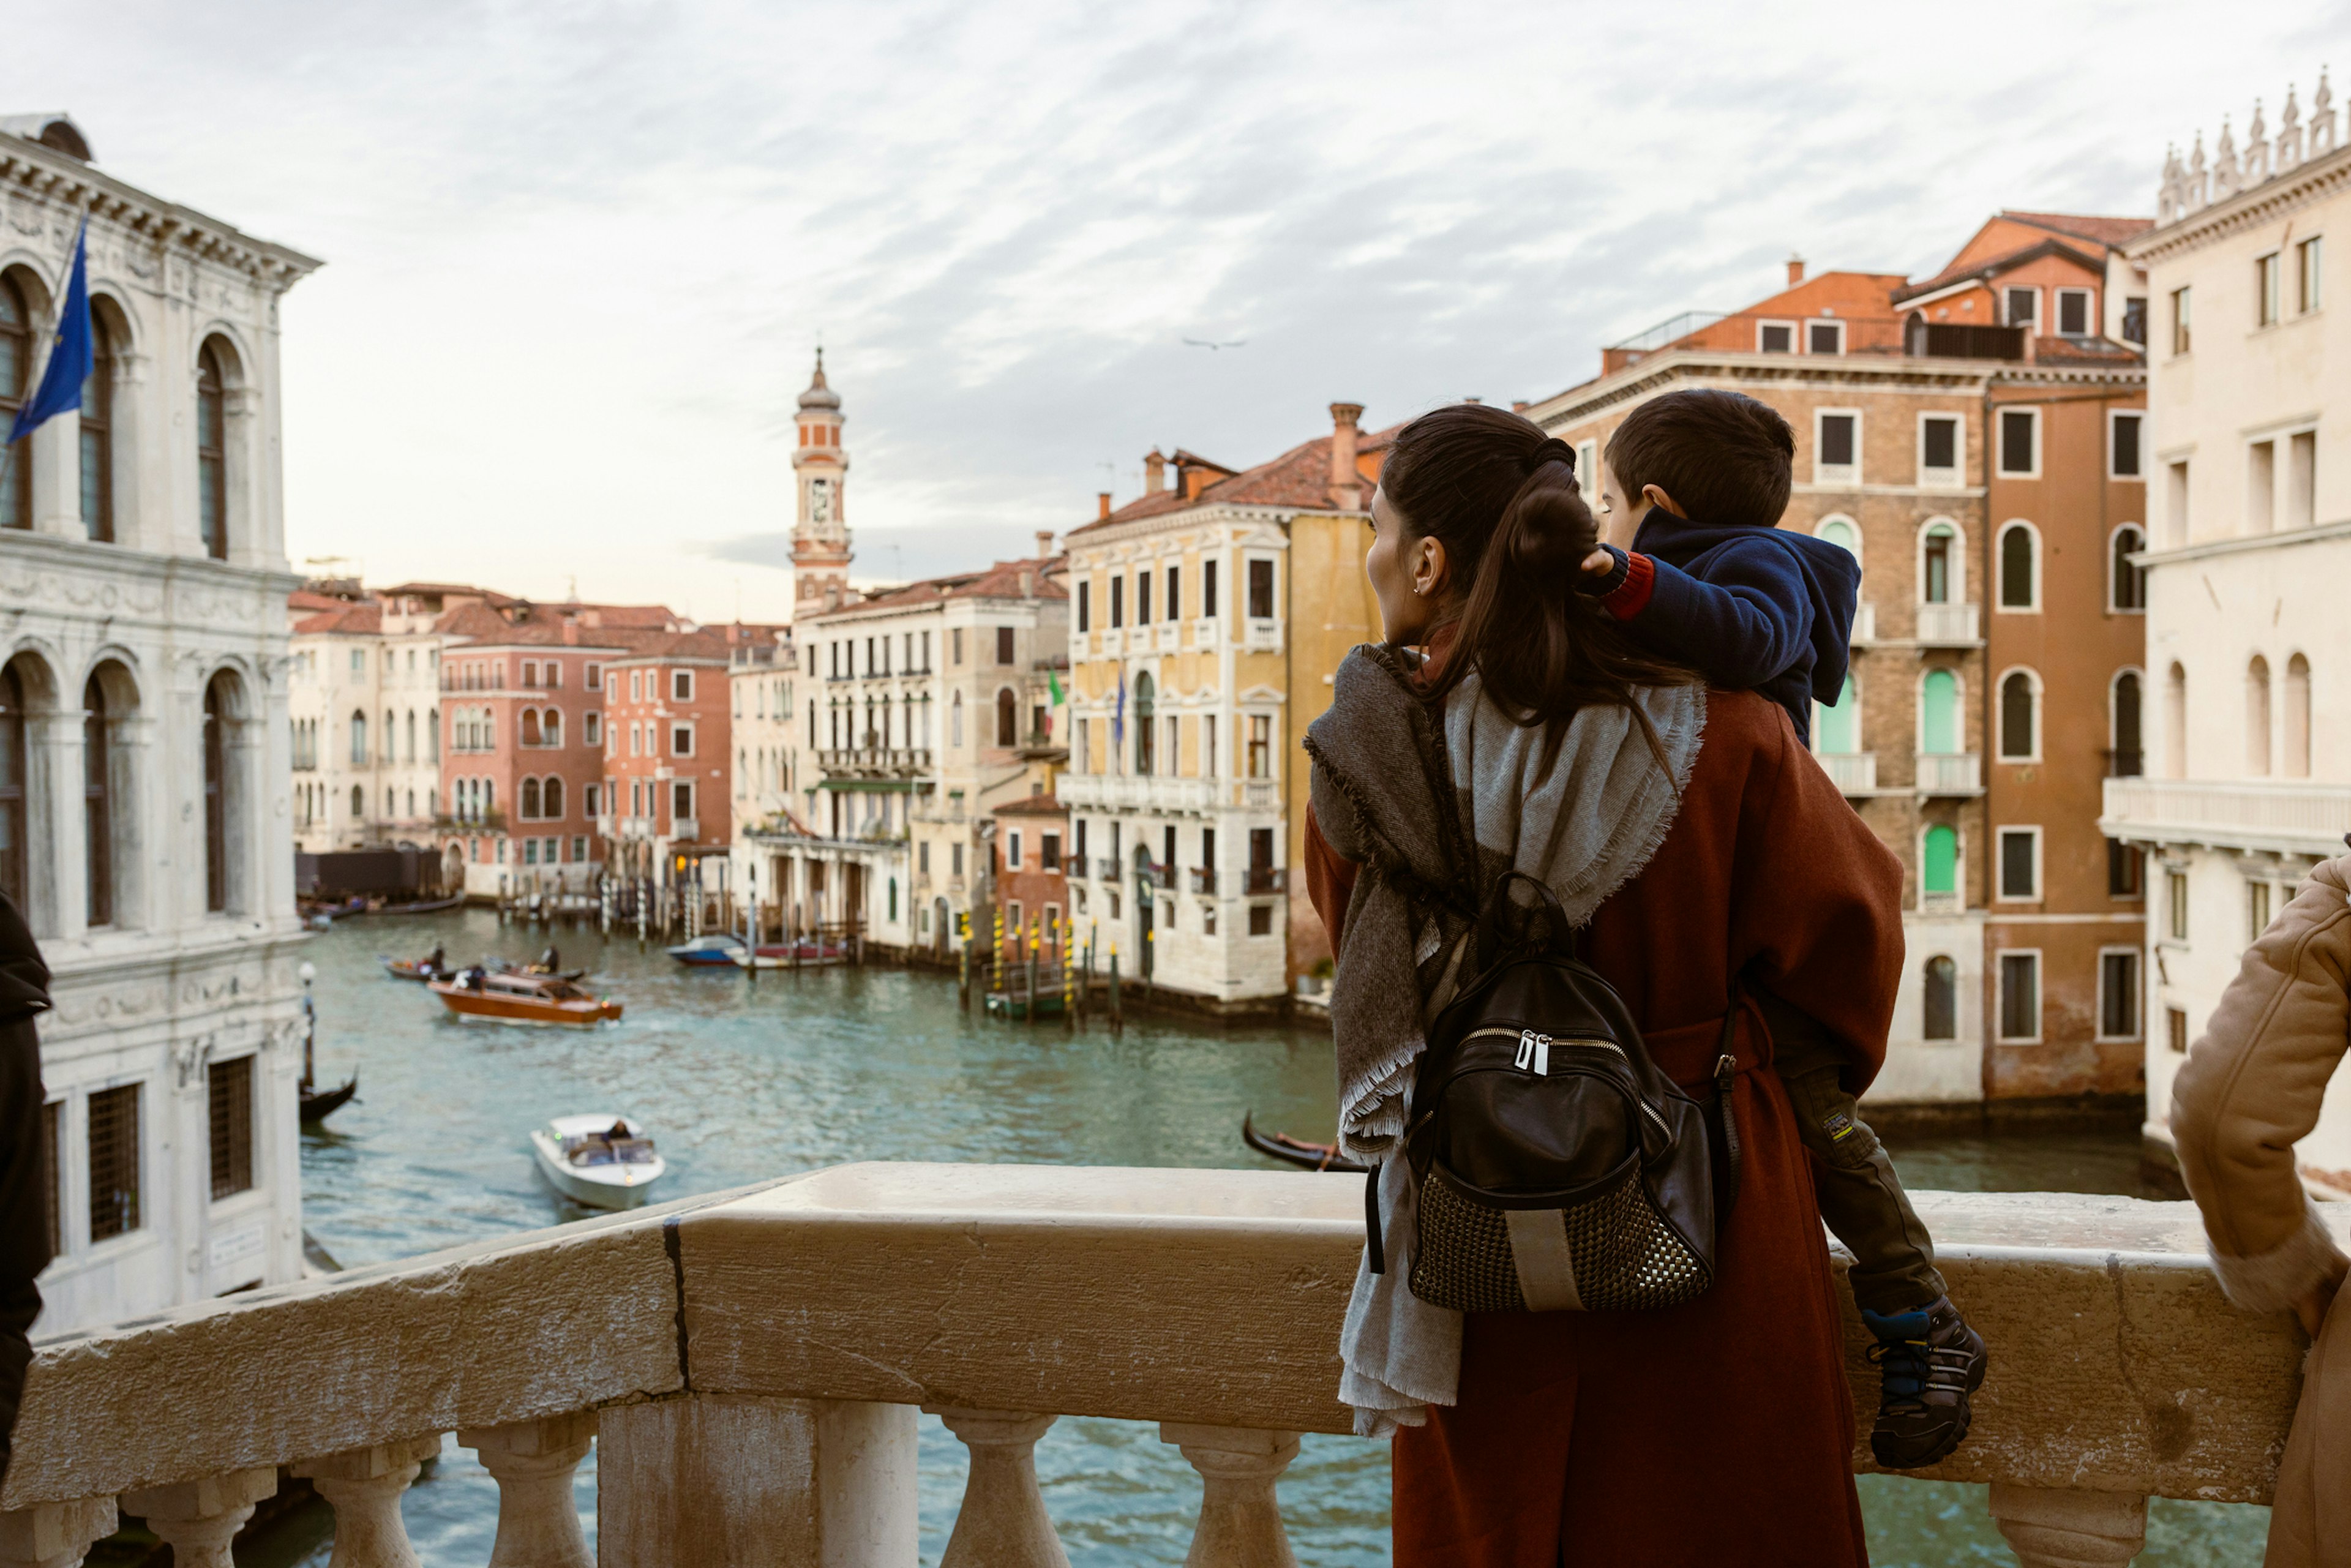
(1502, 498)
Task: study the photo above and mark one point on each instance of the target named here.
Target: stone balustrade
(749, 1365)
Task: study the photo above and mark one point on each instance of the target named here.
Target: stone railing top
(1198, 1296)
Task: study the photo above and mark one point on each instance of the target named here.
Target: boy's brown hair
(1724, 458)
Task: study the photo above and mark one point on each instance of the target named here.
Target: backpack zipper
(1535, 1056)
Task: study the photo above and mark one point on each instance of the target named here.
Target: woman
(1698, 841)
(2249, 1092)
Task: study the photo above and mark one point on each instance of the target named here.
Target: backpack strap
(1373, 1244)
(1724, 1123)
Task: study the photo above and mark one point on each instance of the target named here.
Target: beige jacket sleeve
(2251, 1090)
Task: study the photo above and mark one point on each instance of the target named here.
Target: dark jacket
(24, 1159)
(1762, 610)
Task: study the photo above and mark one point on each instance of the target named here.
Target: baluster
(1240, 1518)
(54, 1534)
(199, 1519)
(364, 1486)
(539, 1526)
(2062, 1529)
(1002, 1523)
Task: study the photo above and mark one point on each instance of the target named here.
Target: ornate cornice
(2265, 203)
(31, 171)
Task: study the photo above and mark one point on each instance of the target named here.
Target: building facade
(364, 689)
(145, 813)
(1985, 474)
(1206, 617)
(2248, 782)
(668, 737)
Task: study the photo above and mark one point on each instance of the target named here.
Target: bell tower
(821, 533)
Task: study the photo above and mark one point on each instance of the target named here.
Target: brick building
(1032, 884)
(668, 738)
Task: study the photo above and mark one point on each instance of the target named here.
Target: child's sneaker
(1930, 1361)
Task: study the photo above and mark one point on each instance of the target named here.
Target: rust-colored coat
(1721, 1432)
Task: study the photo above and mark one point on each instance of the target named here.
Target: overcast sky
(579, 254)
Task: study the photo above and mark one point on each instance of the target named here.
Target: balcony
(1106, 869)
(1852, 772)
(1203, 880)
(747, 1367)
(1947, 626)
(1126, 792)
(2293, 819)
(1203, 631)
(1261, 636)
(1950, 773)
(1260, 794)
(1265, 879)
(686, 829)
(875, 762)
(1864, 622)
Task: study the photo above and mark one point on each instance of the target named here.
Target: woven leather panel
(1463, 1256)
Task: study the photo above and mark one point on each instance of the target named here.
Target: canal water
(739, 1080)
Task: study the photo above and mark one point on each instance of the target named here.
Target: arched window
(955, 720)
(2019, 587)
(391, 738)
(2126, 580)
(211, 453)
(1938, 861)
(216, 796)
(2257, 718)
(408, 752)
(359, 738)
(16, 386)
(550, 726)
(1008, 717)
(551, 799)
(1836, 728)
(2297, 718)
(531, 726)
(2175, 722)
(1942, 994)
(433, 736)
(1840, 532)
(2020, 717)
(1144, 704)
(15, 862)
(358, 805)
(2129, 760)
(97, 801)
(97, 437)
(527, 807)
(1939, 714)
(1938, 565)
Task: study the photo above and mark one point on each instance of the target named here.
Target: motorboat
(522, 998)
(539, 970)
(603, 1161)
(709, 949)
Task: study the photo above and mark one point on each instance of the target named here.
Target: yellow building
(1206, 619)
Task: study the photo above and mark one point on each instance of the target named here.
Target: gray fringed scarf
(1434, 807)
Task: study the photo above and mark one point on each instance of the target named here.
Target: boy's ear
(1656, 497)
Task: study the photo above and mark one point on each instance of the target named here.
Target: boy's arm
(1748, 620)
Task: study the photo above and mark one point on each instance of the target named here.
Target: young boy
(1695, 482)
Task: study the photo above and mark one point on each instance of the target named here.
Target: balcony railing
(1852, 772)
(1203, 880)
(1948, 625)
(1106, 868)
(1864, 622)
(1265, 879)
(1950, 773)
(1126, 791)
(749, 1367)
(2300, 818)
(1260, 636)
(875, 762)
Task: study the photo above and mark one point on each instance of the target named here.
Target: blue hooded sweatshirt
(1762, 610)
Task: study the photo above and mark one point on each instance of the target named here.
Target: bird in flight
(1204, 343)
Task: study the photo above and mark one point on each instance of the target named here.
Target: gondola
(1292, 1151)
(496, 966)
(318, 1104)
(410, 969)
(421, 906)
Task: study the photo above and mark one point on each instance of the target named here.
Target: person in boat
(549, 962)
(476, 978)
(1506, 725)
(437, 962)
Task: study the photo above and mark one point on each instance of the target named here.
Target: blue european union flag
(70, 360)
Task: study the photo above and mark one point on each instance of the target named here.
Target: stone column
(2053, 1529)
(54, 1534)
(364, 1485)
(534, 1461)
(1002, 1523)
(1241, 1520)
(199, 1519)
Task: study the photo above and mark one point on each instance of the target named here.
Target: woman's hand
(2311, 1306)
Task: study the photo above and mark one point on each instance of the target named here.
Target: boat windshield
(598, 1149)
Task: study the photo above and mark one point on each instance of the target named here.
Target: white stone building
(2249, 757)
(363, 686)
(146, 817)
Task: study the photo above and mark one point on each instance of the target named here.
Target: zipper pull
(1526, 1050)
(1542, 1055)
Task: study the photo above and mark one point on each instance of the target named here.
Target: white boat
(604, 1162)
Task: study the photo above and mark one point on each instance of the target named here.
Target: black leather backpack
(1557, 1168)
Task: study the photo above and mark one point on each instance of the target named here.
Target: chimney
(1045, 539)
(1155, 473)
(1346, 482)
(1795, 270)
(1103, 509)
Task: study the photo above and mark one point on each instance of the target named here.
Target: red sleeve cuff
(1630, 597)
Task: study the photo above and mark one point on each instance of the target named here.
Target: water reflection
(741, 1080)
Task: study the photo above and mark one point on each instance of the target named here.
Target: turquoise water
(740, 1080)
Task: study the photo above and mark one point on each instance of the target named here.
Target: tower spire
(821, 548)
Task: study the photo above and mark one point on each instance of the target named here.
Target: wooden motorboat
(1297, 1152)
(604, 1162)
(712, 947)
(412, 968)
(522, 998)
